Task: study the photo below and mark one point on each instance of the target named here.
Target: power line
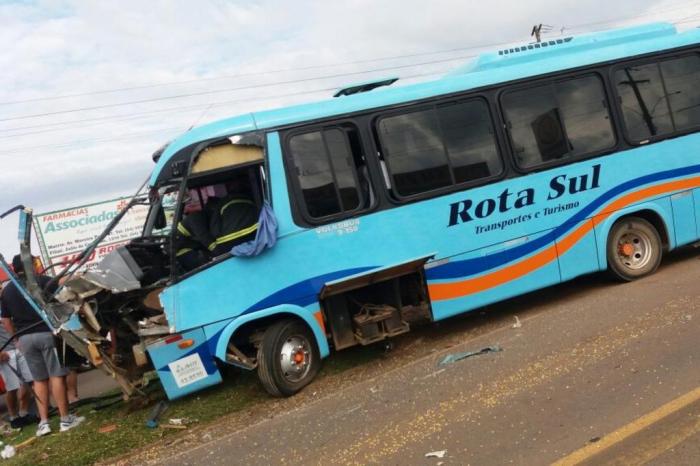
(190, 107)
(232, 89)
(15, 150)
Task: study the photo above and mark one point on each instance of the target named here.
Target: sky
(89, 90)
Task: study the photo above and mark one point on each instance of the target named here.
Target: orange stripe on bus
(319, 318)
(443, 291)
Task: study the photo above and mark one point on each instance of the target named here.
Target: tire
(634, 249)
(288, 358)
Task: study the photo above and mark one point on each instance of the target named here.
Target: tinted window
(439, 146)
(326, 170)
(470, 141)
(414, 150)
(558, 120)
(644, 105)
(682, 79)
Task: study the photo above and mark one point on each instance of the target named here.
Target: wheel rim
(634, 249)
(295, 358)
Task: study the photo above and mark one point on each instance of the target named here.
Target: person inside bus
(233, 218)
(210, 231)
(193, 241)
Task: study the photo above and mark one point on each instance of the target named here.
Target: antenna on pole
(538, 30)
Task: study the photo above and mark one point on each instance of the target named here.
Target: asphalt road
(597, 373)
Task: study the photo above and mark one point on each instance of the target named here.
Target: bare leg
(11, 400)
(23, 399)
(72, 384)
(41, 389)
(58, 390)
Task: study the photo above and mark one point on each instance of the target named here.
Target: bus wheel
(288, 358)
(634, 249)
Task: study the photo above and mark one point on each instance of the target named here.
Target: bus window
(681, 76)
(470, 140)
(414, 151)
(330, 174)
(559, 120)
(436, 147)
(660, 98)
(644, 106)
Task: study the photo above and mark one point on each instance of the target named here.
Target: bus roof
(489, 68)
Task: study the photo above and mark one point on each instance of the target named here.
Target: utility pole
(634, 84)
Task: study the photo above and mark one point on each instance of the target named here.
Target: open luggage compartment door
(376, 304)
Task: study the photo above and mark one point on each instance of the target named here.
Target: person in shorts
(15, 373)
(38, 346)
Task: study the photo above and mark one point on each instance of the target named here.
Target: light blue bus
(528, 167)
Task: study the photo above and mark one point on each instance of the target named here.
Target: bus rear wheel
(634, 249)
(288, 358)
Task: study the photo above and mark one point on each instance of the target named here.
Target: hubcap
(295, 358)
(634, 249)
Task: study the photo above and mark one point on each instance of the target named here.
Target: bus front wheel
(288, 357)
(634, 249)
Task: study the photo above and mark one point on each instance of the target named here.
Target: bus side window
(658, 99)
(558, 120)
(329, 169)
(434, 147)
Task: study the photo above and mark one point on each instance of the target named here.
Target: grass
(86, 445)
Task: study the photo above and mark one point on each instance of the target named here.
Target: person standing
(16, 375)
(39, 348)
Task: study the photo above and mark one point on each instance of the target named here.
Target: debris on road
(517, 323)
(26, 443)
(8, 452)
(107, 428)
(454, 357)
(436, 454)
(173, 426)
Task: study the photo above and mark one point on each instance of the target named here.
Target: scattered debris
(436, 454)
(206, 437)
(594, 439)
(8, 452)
(177, 421)
(26, 443)
(454, 357)
(107, 428)
(433, 374)
(517, 323)
(152, 421)
(173, 426)
(6, 429)
(373, 389)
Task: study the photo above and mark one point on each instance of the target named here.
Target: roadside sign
(62, 234)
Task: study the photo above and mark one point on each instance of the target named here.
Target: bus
(388, 206)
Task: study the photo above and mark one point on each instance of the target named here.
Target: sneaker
(71, 421)
(17, 423)
(43, 429)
